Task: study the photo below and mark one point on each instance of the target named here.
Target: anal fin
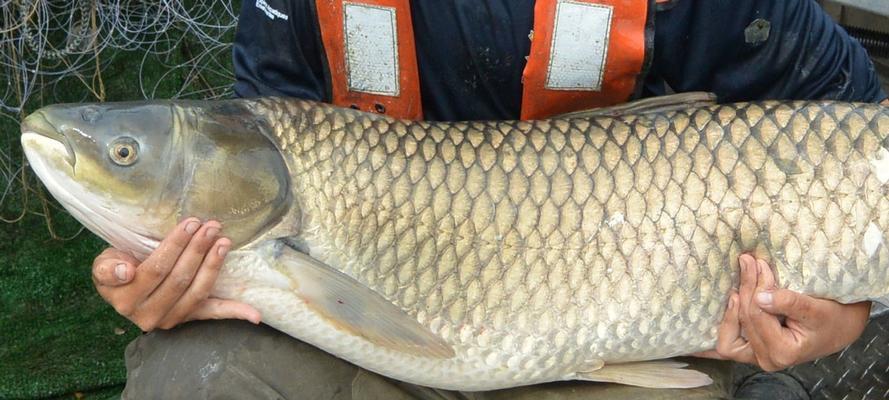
(881, 306)
(660, 374)
(354, 308)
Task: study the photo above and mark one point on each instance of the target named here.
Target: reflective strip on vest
(371, 55)
(584, 54)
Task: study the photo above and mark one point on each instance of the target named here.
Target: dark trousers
(237, 360)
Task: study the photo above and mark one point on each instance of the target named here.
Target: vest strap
(584, 54)
(371, 55)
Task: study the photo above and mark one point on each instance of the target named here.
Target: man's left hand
(752, 330)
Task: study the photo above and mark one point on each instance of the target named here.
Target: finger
(729, 343)
(213, 308)
(712, 354)
(112, 252)
(798, 307)
(772, 340)
(157, 266)
(113, 268)
(761, 321)
(765, 277)
(748, 284)
(748, 308)
(160, 302)
(730, 328)
(200, 287)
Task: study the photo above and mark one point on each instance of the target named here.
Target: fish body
(485, 255)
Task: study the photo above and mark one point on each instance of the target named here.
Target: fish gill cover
(56, 335)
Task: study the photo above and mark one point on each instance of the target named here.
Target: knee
(232, 360)
(198, 360)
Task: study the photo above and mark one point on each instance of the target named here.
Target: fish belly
(252, 278)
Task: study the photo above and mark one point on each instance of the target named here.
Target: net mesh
(54, 51)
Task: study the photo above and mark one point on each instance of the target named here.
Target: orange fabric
(407, 103)
(625, 58)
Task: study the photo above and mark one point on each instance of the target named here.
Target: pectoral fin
(354, 308)
(661, 374)
(649, 105)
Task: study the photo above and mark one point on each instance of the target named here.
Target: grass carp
(491, 254)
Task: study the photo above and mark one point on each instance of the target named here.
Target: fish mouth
(49, 153)
(38, 124)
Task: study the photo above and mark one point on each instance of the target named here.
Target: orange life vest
(584, 54)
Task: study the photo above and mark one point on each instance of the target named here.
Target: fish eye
(124, 151)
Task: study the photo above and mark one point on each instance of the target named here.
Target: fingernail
(222, 250)
(764, 298)
(731, 303)
(120, 271)
(192, 227)
(211, 232)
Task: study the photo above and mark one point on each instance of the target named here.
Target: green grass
(58, 335)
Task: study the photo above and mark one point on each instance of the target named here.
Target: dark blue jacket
(471, 54)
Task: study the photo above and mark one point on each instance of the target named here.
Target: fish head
(130, 171)
(102, 166)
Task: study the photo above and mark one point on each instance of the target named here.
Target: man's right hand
(173, 284)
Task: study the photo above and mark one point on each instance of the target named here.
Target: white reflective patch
(371, 49)
(615, 220)
(269, 11)
(579, 47)
(880, 165)
(873, 238)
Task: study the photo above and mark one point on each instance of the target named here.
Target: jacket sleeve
(278, 51)
(702, 45)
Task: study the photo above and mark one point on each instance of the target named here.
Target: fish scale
(542, 244)
(490, 254)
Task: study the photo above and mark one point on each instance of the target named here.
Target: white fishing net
(55, 51)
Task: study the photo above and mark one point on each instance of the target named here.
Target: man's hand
(752, 331)
(885, 102)
(173, 284)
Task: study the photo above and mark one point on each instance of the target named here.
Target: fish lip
(37, 123)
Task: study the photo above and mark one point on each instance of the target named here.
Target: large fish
(483, 255)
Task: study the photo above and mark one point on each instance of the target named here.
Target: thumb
(113, 272)
(213, 308)
(793, 305)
